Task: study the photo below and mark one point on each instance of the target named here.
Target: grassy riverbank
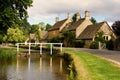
(91, 67)
(7, 53)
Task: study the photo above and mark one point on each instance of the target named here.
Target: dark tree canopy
(93, 20)
(116, 27)
(13, 12)
(74, 17)
(48, 26)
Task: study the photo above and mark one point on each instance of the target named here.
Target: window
(105, 37)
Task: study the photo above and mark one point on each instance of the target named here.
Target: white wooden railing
(41, 44)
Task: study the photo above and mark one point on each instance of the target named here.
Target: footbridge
(41, 45)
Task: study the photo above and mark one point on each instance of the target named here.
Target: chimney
(68, 15)
(77, 16)
(87, 15)
(57, 19)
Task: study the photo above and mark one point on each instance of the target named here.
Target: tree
(42, 26)
(116, 27)
(14, 35)
(48, 26)
(13, 12)
(74, 17)
(69, 37)
(34, 28)
(93, 20)
(99, 37)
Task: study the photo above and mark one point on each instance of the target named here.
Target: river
(33, 68)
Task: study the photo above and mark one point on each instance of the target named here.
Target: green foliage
(39, 34)
(74, 17)
(55, 40)
(42, 26)
(79, 43)
(14, 35)
(116, 27)
(94, 45)
(117, 43)
(69, 37)
(70, 66)
(13, 12)
(97, 68)
(48, 47)
(48, 26)
(32, 41)
(109, 45)
(1, 37)
(93, 20)
(7, 54)
(99, 37)
(34, 28)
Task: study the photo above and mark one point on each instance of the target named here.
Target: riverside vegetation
(7, 54)
(91, 67)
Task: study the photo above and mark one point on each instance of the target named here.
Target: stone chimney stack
(68, 15)
(78, 16)
(87, 15)
(57, 19)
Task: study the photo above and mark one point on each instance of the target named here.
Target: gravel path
(111, 55)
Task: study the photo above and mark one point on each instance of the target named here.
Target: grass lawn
(91, 67)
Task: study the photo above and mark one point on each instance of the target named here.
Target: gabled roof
(90, 31)
(74, 25)
(44, 35)
(57, 25)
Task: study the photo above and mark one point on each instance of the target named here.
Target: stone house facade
(83, 27)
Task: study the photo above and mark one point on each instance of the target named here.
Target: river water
(33, 68)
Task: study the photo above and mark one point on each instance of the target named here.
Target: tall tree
(93, 20)
(116, 27)
(42, 26)
(48, 26)
(74, 17)
(13, 12)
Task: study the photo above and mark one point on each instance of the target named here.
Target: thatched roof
(90, 31)
(57, 25)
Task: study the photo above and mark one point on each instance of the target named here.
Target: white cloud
(46, 9)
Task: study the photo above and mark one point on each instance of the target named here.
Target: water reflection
(40, 68)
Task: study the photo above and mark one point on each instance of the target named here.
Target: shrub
(7, 54)
(109, 45)
(79, 43)
(55, 40)
(94, 45)
(32, 41)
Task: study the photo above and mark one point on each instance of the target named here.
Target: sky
(47, 10)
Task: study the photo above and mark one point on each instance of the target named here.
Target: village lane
(108, 54)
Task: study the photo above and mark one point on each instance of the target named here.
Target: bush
(79, 43)
(55, 40)
(109, 45)
(7, 54)
(94, 45)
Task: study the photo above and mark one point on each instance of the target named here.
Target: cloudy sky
(46, 10)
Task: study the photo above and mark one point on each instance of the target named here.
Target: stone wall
(87, 43)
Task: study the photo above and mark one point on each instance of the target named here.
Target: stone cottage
(83, 28)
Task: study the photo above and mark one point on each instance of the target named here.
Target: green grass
(95, 67)
(7, 53)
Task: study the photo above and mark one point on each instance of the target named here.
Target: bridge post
(51, 48)
(61, 47)
(17, 47)
(29, 48)
(41, 49)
